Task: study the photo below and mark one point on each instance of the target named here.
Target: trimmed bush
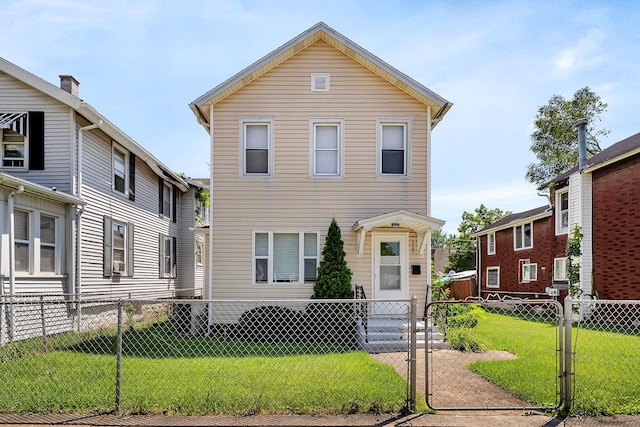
(466, 339)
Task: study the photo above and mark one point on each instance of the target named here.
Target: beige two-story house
(319, 128)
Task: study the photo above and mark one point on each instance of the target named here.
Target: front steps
(388, 334)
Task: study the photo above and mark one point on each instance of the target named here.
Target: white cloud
(584, 54)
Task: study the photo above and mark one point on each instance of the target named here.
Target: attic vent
(320, 82)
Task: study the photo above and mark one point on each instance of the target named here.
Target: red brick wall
(546, 247)
(616, 230)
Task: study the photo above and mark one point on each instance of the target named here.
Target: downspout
(211, 201)
(12, 239)
(479, 266)
(78, 284)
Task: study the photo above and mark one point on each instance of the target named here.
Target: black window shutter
(132, 177)
(130, 247)
(175, 204)
(174, 258)
(160, 194)
(36, 140)
(107, 247)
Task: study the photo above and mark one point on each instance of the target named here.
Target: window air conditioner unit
(118, 267)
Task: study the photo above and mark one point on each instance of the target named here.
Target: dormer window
(13, 131)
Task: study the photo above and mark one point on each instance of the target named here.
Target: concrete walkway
(451, 419)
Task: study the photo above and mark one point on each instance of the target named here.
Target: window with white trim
(120, 172)
(13, 136)
(256, 147)
(493, 277)
(285, 257)
(491, 243)
(560, 270)
(168, 252)
(529, 272)
(199, 251)
(393, 147)
(523, 236)
(36, 243)
(119, 247)
(167, 199)
(562, 212)
(326, 146)
(320, 82)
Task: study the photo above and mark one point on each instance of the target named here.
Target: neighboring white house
(84, 209)
(319, 128)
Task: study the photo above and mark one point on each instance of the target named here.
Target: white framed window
(167, 199)
(168, 253)
(22, 240)
(523, 236)
(393, 146)
(493, 277)
(13, 139)
(287, 257)
(560, 269)
(120, 169)
(36, 243)
(491, 244)
(562, 212)
(48, 246)
(529, 272)
(320, 82)
(326, 137)
(119, 247)
(257, 147)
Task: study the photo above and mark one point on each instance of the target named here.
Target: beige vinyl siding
(143, 213)
(17, 96)
(291, 200)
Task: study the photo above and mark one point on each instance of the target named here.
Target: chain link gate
(462, 374)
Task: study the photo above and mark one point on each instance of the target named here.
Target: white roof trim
(515, 222)
(86, 110)
(38, 190)
(421, 224)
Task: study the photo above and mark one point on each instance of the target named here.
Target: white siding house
(85, 209)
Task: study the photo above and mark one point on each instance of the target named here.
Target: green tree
(464, 257)
(334, 276)
(554, 141)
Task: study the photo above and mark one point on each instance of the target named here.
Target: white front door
(390, 271)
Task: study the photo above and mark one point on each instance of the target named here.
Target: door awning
(421, 224)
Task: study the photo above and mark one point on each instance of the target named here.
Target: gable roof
(88, 112)
(515, 219)
(619, 151)
(321, 31)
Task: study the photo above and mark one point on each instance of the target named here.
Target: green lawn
(164, 373)
(607, 365)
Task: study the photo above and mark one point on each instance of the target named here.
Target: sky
(141, 62)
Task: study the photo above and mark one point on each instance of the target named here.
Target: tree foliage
(334, 276)
(464, 257)
(554, 141)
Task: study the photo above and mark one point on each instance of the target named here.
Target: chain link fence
(605, 356)
(475, 370)
(204, 357)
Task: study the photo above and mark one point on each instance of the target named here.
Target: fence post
(119, 357)
(413, 354)
(44, 323)
(567, 374)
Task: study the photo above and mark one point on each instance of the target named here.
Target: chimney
(582, 143)
(69, 84)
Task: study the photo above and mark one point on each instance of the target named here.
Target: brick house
(524, 253)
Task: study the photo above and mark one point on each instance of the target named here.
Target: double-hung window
(523, 236)
(13, 131)
(120, 174)
(393, 143)
(35, 243)
(560, 270)
(166, 199)
(491, 243)
(118, 248)
(326, 147)
(256, 147)
(562, 212)
(285, 257)
(168, 252)
(493, 277)
(529, 272)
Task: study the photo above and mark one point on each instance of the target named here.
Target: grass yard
(164, 373)
(607, 365)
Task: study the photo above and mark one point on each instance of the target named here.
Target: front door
(390, 266)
